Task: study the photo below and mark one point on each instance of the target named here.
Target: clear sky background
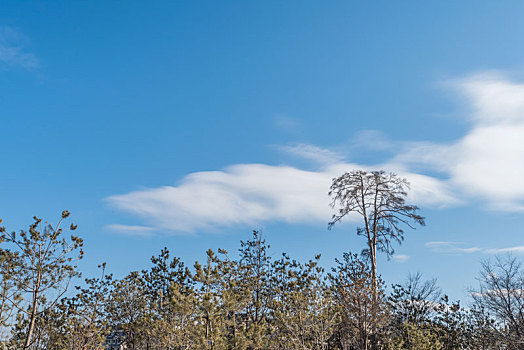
(189, 124)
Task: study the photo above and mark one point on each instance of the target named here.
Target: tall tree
(169, 289)
(380, 199)
(210, 332)
(47, 264)
(255, 263)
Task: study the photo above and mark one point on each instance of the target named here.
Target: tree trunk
(32, 321)
(374, 281)
(374, 302)
(374, 271)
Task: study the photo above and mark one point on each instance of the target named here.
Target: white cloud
(250, 194)
(426, 190)
(451, 247)
(132, 230)
(400, 258)
(313, 153)
(516, 249)
(494, 98)
(12, 51)
(240, 194)
(461, 247)
(486, 162)
(503, 292)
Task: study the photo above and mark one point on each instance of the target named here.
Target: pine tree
(47, 265)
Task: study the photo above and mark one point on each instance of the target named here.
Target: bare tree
(380, 199)
(415, 300)
(501, 293)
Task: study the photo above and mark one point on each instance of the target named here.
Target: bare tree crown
(380, 199)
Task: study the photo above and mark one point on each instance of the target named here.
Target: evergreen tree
(46, 266)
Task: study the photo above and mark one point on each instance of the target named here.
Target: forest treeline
(250, 299)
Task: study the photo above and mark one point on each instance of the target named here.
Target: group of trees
(249, 300)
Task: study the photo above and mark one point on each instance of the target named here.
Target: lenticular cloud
(249, 194)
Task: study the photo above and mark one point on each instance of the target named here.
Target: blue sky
(188, 124)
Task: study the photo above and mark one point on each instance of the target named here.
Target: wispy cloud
(486, 162)
(240, 194)
(452, 247)
(12, 50)
(132, 230)
(516, 249)
(313, 153)
(400, 258)
(251, 194)
(461, 247)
